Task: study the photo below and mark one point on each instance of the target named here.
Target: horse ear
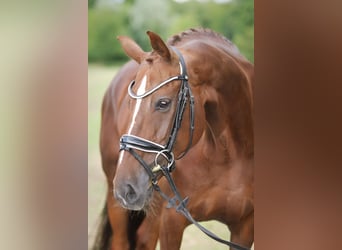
(131, 48)
(159, 46)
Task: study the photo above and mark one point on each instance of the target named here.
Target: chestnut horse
(186, 108)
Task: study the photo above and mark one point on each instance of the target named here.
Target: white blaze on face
(141, 90)
(121, 156)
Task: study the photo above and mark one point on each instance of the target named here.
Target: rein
(131, 143)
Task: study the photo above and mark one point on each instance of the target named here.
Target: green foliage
(241, 25)
(91, 3)
(245, 41)
(104, 25)
(234, 19)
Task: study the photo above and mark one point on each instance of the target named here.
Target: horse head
(158, 122)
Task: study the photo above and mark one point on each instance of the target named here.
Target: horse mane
(193, 33)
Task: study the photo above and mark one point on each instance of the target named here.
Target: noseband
(131, 143)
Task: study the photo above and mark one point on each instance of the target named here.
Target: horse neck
(226, 91)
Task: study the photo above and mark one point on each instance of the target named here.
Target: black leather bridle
(131, 143)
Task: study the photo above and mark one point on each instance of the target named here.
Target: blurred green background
(109, 18)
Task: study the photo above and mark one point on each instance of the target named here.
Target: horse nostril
(131, 195)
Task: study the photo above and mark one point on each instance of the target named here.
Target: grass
(99, 77)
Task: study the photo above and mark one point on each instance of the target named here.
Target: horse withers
(186, 108)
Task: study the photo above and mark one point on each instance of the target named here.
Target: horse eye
(163, 104)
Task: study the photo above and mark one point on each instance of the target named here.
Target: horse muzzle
(130, 198)
(133, 194)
